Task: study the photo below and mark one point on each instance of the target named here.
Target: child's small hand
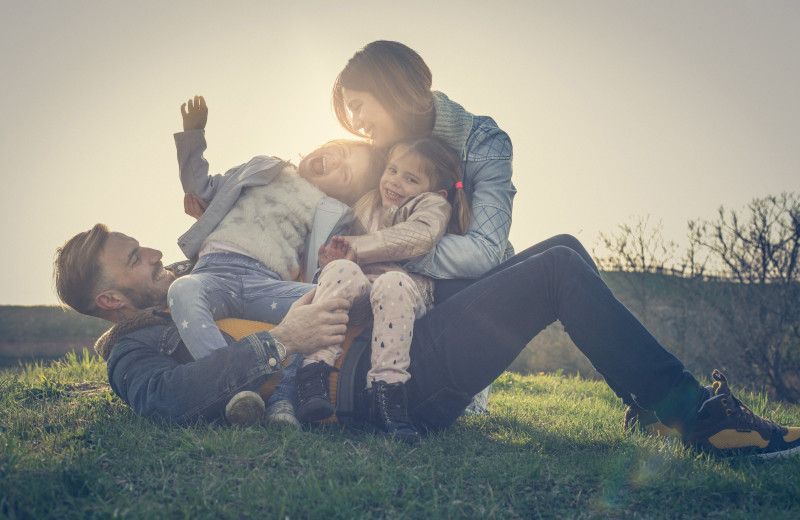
(337, 249)
(341, 248)
(322, 257)
(193, 205)
(195, 114)
(339, 245)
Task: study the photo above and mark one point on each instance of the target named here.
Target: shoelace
(393, 411)
(751, 417)
(754, 419)
(720, 386)
(314, 385)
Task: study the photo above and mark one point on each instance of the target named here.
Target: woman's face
(369, 116)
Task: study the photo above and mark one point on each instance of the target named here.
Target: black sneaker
(724, 426)
(645, 421)
(388, 413)
(313, 392)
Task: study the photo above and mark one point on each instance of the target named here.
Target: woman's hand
(193, 205)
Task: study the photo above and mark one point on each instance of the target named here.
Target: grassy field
(553, 447)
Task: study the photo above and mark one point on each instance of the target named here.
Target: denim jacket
(221, 191)
(486, 155)
(148, 368)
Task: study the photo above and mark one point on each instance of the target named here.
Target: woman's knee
(569, 241)
(559, 256)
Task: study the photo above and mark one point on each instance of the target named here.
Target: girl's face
(404, 179)
(369, 116)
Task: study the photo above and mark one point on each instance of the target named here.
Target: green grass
(553, 447)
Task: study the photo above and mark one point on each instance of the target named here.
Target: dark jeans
(467, 340)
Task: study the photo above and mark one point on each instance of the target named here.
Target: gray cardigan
(221, 191)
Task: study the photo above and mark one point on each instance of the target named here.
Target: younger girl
(403, 219)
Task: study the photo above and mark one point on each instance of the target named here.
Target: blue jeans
(230, 285)
(471, 337)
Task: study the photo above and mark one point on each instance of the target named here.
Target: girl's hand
(339, 245)
(196, 115)
(337, 249)
(193, 205)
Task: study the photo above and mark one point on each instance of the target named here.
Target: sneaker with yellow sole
(645, 421)
(725, 426)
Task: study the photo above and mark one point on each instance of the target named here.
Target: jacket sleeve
(483, 246)
(156, 385)
(420, 225)
(193, 167)
(331, 217)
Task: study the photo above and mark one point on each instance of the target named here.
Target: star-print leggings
(395, 301)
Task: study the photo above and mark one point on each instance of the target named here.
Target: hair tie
(459, 184)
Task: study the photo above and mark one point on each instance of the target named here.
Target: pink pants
(396, 302)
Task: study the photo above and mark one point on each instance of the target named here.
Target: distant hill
(46, 323)
(42, 331)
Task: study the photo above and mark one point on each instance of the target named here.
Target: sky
(616, 109)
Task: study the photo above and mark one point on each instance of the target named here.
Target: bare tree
(740, 303)
(638, 247)
(758, 295)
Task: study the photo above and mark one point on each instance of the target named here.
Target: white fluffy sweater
(271, 222)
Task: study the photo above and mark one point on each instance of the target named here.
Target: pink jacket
(383, 237)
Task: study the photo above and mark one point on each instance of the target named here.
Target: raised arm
(190, 144)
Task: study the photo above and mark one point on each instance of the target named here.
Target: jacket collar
(452, 122)
(140, 320)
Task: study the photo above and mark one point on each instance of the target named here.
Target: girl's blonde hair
(398, 78)
(441, 165)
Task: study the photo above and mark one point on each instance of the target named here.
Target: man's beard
(142, 299)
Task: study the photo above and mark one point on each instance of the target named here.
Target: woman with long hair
(384, 94)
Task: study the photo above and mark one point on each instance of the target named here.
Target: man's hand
(195, 114)
(309, 327)
(337, 249)
(193, 205)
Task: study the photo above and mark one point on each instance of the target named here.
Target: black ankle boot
(388, 412)
(313, 392)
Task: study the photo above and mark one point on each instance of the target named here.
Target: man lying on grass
(458, 348)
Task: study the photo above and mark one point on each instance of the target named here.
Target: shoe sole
(287, 420)
(245, 409)
(786, 453)
(315, 410)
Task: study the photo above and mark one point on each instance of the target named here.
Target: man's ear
(109, 300)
